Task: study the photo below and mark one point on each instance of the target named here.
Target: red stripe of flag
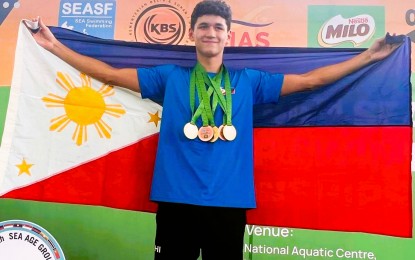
(339, 178)
(328, 178)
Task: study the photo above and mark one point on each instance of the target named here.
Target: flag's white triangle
(30, 151)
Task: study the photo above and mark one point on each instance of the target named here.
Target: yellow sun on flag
(83, 106)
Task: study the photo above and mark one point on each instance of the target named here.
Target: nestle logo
(356, 29)
(358, 20)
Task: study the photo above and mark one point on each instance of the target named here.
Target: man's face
(210, 35)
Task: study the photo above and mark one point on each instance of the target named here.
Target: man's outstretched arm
(125, 77)
(329, 74)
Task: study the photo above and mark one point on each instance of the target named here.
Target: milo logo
(357, 29)
(345, 26)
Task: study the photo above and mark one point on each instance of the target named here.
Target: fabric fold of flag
(337, 158)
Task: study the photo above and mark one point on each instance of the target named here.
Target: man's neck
(212, 65)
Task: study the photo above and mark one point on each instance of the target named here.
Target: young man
(204, 191)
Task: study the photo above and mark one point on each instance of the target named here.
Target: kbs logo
(345, 26)
(357, 29)
(159, 24)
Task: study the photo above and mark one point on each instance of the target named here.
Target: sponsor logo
(357, 29)
(345, 26)
(410, 20)
(89, 17)
(21, 239)
(6, 7)
(246, 38)
(159, 23)
(166, 22)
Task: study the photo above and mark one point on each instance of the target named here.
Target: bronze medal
(205, 133)
(221, 133)
(190, 130)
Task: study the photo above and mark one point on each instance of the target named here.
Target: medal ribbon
(198, 80)
(204, 99)
(225, 103)
(204, 109)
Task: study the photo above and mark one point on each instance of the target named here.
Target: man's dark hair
(212, 7)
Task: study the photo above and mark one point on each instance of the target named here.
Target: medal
(215, 134)
(229, 132)
(190, 130)
(221, 133)
(210, 95)
(205, 133)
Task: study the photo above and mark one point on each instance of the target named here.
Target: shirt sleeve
(266, 86)
(153, 80)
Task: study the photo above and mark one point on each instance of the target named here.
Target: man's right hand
(42, 35)
(124, 77)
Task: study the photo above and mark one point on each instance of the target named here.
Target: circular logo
(160, 24)
(21, 239)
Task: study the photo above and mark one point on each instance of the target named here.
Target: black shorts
(184, 231)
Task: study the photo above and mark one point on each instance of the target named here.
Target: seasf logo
(89, 17)
(345, 26)
(21, 239)
(159, 23)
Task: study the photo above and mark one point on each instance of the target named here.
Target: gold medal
(205, 133)
(229, 132)
(190, 130)
(215, 134)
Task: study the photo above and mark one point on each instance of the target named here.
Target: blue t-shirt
(205, 173)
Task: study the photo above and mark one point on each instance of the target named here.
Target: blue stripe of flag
(377, 95)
